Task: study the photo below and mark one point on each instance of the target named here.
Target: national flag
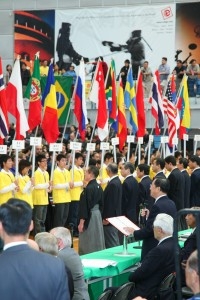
(63, 86)
(171, 114)
(3, 108)
(185, 117)
(50, 116)
(140, 107)
(33, 94)
(15, 103)
(80, 110)
(97, 95)
(157, 110)
(122, 127)
(173, 89)
(130, 100)
(111, 95)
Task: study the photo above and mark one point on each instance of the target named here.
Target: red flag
(98, 96)
(3, 109)
(140, 107)
(122, 127)
(14, 97)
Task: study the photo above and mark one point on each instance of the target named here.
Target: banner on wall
(33, 32)
(188, 31)
(134, 33)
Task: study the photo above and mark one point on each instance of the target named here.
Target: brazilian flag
(63, 86)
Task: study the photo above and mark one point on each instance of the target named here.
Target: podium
(121, 223)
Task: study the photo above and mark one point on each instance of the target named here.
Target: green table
(100, 278)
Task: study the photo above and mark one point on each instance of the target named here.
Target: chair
(105, 295)
(165, 290)
(186, 292)
(123, 291)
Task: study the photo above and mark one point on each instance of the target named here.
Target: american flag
(171, 111)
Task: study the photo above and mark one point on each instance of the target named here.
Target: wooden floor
(75, 244)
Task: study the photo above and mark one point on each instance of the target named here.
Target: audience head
(142, 170)
(191, 218)
(127, 169)
(182, 163)
(158, 164)
(163, 226)
(170, 162)
(112, 169)
(108, 158)
(24, 166)
(63, 237)
(192, 272)
(15, 219)
(194, 162)
(91, 173)
(47, 243)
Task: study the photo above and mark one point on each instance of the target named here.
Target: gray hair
(47, 243)
(113, 168)
(165, 222)
(63, 234)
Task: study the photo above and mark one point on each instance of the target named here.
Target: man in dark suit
(177, 183)
(144, 186)
(182, 166)
(112, 205)
(163, 204)
(194, 164)
(158, 167)
(26, 273)
(130, 193)
(158, 263)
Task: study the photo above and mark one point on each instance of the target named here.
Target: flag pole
(53, 165)
(65, 127)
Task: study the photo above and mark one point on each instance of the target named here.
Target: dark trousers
(39, 217)
(73, 214)
(61, 211)
(111, 236)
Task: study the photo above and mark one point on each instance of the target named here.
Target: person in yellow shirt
(61, 191)
(104, 178)
(8, 184)
(44, 69)
(40, 194)
(77, 186)
(25, 183)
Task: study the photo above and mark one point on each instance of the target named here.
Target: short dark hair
(163, 184)
(127, 61)
(40, 157)
(4, 159)
(160, 162)
(170, 159)
(144, 168)
(108, 155)
(60, 156)
(184, 162)
(93, 170)
(165, 58)
(179, 61)
(15, 216)
(177, 154)
(113, 168)
(78, 154)
(92, 162)
(129, 166)
(195, 158)
(23, 163)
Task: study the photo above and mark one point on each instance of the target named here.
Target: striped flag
(157, 104)
(80, 110)
(122, 127)
(130, 100)
(171, 114)
(3, 108)
(50, 117)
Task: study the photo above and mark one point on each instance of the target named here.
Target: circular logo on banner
(60, 99)
(35, 91)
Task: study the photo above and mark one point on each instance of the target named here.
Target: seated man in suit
(19, 264)
(158, 263)
(192, 275)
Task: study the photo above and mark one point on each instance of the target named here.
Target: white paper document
(121, 223)
(98, 263)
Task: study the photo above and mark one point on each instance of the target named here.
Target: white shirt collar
(167, 237)
(13, 244)
(111, 178)
(159, 197)
(130, 175)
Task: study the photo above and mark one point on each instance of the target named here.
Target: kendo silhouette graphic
(66, 53)
(134, 46)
